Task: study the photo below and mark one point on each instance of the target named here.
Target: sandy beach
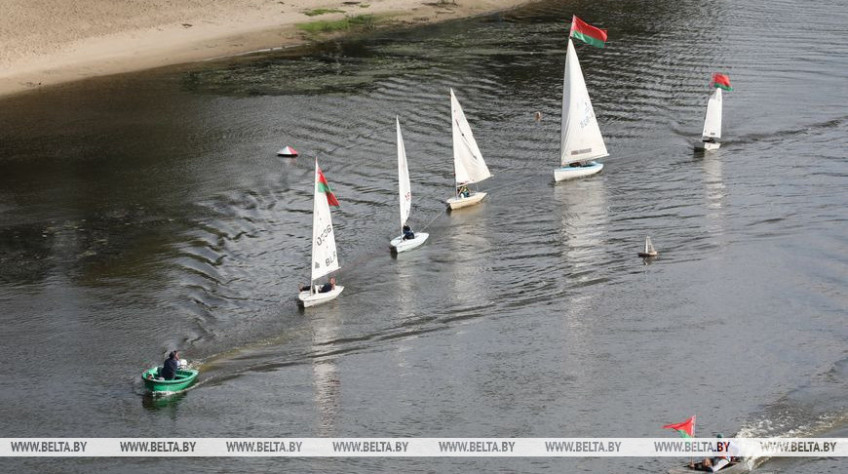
(47, 43)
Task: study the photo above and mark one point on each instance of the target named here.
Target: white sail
(581, 138)
(712, 123)
(469, 166)
(324, 258)
(404, 188)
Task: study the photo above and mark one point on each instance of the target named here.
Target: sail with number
(404, 188)
(469, 166)
(712, 122)
(581, 138)
(324, 258)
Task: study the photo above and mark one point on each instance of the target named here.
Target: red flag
(722, 81)
(587, 33)
(324, 187)
(686, 428)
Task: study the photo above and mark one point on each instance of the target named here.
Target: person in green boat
(172, 364)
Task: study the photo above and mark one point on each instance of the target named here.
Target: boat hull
(569, 172)
(183, 380)
(733, 468)
(460, 202)
(707, 146)
(398, 245)
(308, 299)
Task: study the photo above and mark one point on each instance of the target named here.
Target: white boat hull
(398, 245)
(460, 202)
(569, 172)
(707, 146)
(307, 298)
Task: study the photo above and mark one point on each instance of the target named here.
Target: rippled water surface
(148, 212)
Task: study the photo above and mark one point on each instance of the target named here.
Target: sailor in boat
(325, 288)
(172, 364)
(576, 164)
(717, 463)
(462, 191)
(407, 233)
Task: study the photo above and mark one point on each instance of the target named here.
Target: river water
(146, 212)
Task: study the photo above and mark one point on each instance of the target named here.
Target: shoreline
(95, 38)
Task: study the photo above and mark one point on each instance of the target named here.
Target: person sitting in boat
(407, 233)
(575, 164)
(463, 191)
(169, 370)
(325, 288)
(706, 465)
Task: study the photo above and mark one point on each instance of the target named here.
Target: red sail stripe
(325, 188)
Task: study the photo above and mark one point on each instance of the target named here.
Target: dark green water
(145, 212)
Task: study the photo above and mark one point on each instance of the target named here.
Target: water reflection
(715, 193)
(158, 402)
(584, 221)
(325, 372)
(469, 246)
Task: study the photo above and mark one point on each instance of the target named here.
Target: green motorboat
(154, 383)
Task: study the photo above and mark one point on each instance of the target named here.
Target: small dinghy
(581, 141)
(288, 152)
(154, 383)
(468, 163)
(649, 251)
(712, 122)
(400, 244)
(324, 259)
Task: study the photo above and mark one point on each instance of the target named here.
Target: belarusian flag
(325, 188)
(686, 428)
(588, 33)
(722, 81)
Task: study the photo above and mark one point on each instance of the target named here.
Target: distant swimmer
(538, 116)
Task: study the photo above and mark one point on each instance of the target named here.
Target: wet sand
(47, 43)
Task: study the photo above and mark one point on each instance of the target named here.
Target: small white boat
(712, 124)
(581, 141)
(398, 244)
(578, 171)
(459, 202)
(649, 251)
(324, 259)
(288, 152)
(311, 297)
(469, 166)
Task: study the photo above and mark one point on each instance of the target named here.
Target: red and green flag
(587, 33)
(324, 187)
(721, 81)
(685, 428)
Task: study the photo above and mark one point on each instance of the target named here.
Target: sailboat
(649, 250)
(468, 163)
(399, 244)
(324, 258)
(712, 124)
(580, 136)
